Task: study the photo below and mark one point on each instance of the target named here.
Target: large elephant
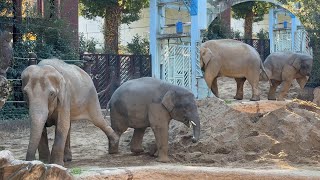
(149, 102)
(285, 67)
(58, 93)
(231, 58)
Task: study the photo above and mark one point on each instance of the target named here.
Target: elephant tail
(263, 75)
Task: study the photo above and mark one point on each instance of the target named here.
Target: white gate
(176, 64)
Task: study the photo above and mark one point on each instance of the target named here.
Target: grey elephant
(231, 58)
(149, 102)
(284, 67)
(6, 52)
(58, 93)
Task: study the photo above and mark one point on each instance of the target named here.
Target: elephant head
(182, 107)
(303, 63)
(205, 56)
(44, 89)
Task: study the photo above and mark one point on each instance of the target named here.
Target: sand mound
(291, 133)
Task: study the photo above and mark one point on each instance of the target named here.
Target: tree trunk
(248, 21)
(17, 20)
(111, 31)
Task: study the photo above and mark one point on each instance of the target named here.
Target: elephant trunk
(196, 128)
(39, 115)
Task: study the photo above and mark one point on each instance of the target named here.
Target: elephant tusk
(193, 123)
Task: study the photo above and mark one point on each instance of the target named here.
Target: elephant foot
(114, 145)
(273, 98)
(238, 97)
(67, 158)
(61, 163)
(280, 99)
(137, 151)
(255, 98)
(163, 159)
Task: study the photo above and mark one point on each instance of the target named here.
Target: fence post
(88, 62)
(33, 59)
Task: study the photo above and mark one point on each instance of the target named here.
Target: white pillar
(293, 31)
(154, 30)
(195, 37)
(271, 24)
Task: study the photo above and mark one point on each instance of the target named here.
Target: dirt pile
(291, 133)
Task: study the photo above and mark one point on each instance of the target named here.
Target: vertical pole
(271, 23)
(293, 31)
(195, 37)
(154, 29)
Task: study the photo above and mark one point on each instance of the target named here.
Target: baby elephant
(149, 102)
(285, 67)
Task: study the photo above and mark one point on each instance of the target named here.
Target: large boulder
(13, 169)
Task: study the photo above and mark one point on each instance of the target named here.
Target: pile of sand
(291, 133)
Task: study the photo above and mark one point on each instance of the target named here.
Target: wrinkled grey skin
(234, 59)
(149, 102)
(283, 68)
(58, 93)
(6, 52)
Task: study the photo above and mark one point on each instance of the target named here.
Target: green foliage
(259, 9)
(76, 171)
(87, 45)
(217, 30)
(262, 34)
(130, 10)
(138, 46)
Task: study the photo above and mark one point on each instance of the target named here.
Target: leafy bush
(138, 46)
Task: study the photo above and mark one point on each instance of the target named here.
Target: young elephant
(285, 67)
(58, 93)
(149, 102)
(231, 58)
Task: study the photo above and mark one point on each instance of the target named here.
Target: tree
(138, 46)
(251, 12)
(114, 13)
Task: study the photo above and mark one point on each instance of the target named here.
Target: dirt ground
(281, 135)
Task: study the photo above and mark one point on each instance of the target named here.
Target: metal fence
(110, 71)
(107, 71)
(261, 45)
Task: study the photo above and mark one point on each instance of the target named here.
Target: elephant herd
(58, 93)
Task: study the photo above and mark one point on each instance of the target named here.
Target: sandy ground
(230, 137)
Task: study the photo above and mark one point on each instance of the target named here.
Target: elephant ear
(63, 95)
(296, 63)
(167, 100)
(206, 55)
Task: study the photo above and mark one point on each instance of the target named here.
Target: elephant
(231, 58)
(58, 93)
(284, 67)
(6, 52)
(150, 102)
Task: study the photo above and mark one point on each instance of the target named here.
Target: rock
(11, 168)
(4, 90)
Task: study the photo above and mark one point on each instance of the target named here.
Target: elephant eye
(52, 94)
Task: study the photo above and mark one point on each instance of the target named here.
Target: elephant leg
(214, 87)
(253, 79)
(272, 91)
(67, 149)
(240, 82)
(159, 122)
(136, 141)
(43, 148)
(284, 90)
(61, 133)
(302, 81)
